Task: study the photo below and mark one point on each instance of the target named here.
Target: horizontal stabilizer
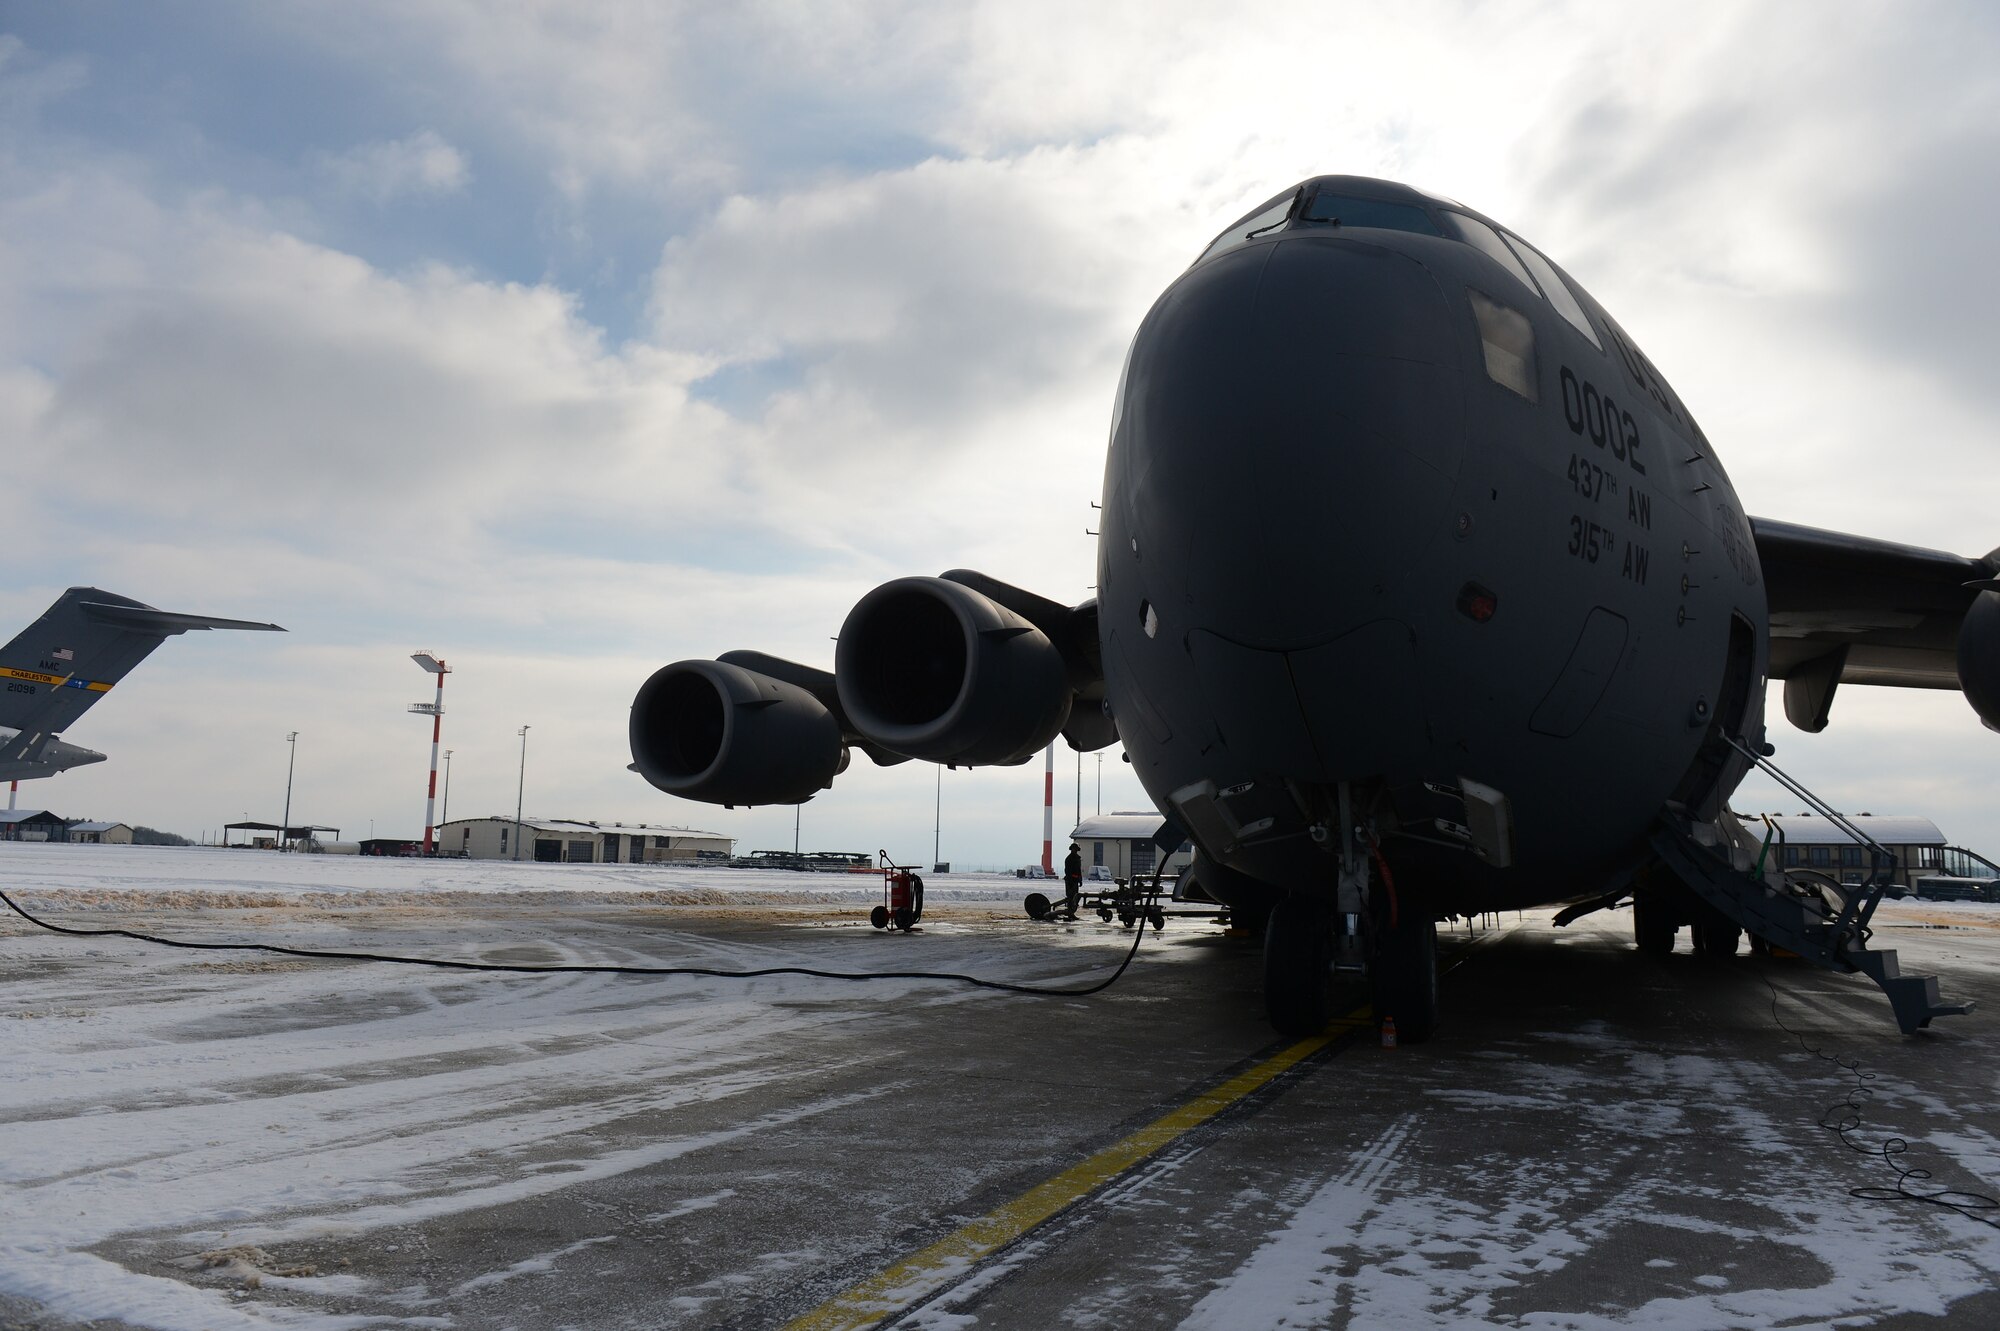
(25, 755)
(165, 622)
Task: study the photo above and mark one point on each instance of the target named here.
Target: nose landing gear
(1298, 966)
(1403, 966)
(1311, 940)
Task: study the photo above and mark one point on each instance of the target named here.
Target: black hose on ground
(1844, 1119)
(954, 977)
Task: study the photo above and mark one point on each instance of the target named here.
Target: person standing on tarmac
(1072, 880)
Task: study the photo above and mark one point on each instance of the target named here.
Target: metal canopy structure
(296, 832)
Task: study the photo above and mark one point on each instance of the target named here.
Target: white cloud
(421, 164)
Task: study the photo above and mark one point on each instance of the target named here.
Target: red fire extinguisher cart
(902, 896)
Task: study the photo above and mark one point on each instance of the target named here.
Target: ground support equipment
(902, 895)
(1826, 922)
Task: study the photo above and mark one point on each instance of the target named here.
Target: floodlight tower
(434, 710)
(285, 832)
(444, 814)
(518, 788)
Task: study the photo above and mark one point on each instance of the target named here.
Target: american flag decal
(63, 654)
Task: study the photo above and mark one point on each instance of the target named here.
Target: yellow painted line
(953, 1257)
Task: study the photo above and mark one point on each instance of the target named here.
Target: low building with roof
(100, 834)
(1122, 843)
(578, 841)
(1808, 841)
(32, 825)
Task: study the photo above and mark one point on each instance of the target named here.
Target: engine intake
(706, 730)
(933, 669)
(1979, 656)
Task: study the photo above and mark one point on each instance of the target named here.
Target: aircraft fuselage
(1378, 512)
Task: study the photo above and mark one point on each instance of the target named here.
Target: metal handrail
(1859, 909)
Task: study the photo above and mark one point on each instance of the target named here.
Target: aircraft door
(1716, 758)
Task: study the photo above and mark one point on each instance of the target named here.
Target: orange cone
(1388, 1032)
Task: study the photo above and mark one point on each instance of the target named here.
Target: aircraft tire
(1651, 931)
(1717, 939)
(1298, 967)
(1406, 978)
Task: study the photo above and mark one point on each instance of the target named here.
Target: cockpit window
(1508, 341)
(1487, 241)
(1348, 210)
(1267, 218)
(1555, 288)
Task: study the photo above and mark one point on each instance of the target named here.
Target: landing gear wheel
(1036, 905)
(1651, 930)
(1406, 977)
(1717, 940)
(879, 917)
(1758, 947)
(1298, 967)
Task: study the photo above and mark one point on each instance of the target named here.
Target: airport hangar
(574, 841)
(1123, 843)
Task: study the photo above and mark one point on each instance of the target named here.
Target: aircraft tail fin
(86, 642)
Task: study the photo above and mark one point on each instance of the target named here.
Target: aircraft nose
(1293, 425)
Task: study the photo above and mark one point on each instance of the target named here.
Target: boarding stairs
(1822, 920)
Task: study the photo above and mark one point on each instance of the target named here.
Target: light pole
(435, 710)
(444, 814)
(285, 827)
(521, 786)
(1100, 782)
(937, 827)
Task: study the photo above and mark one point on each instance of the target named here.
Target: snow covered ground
(226, 1105)
(196, 1140)
(108, 877)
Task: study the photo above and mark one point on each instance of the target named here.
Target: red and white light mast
(434, 710)
(1049, 811)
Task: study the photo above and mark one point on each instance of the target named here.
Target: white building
(103, 834)
(574, 841)
(1123, 844)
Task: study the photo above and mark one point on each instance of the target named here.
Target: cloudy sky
(566, 340)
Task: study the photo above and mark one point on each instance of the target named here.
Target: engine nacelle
(935, 670)
(1979, 657)
(705, 730)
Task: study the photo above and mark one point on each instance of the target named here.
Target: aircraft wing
(86, 642)
(1851, 609)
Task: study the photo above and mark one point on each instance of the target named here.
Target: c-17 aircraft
(1420, 594)
(59, 665)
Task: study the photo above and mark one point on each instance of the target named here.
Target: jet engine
(1979, 655)
(933, 669)
(709, 730)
